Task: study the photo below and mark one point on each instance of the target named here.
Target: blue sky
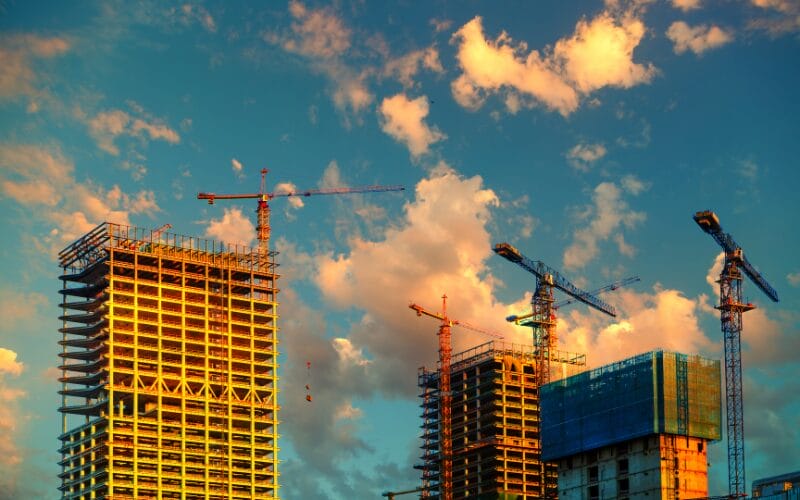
(585, 133)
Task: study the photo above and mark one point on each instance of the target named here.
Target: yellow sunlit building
(168, 373)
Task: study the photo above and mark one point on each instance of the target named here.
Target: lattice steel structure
(169, 359)
(731, 308)
(496, 441)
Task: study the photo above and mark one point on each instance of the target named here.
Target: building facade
(782, 487)
(169, 359)
(495, 426)
(638, 428)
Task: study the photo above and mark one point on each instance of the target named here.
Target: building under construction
(169, 358)
(637, 428)
(496, 441)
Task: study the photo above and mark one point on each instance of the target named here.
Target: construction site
(169, 374)
(169, 383)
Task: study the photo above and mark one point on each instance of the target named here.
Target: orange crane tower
(445, 396)
(263, 210)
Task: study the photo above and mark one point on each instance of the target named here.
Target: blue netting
(651, 393)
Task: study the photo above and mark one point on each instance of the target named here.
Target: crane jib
(543, 271)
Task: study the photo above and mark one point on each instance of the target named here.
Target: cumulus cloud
(12, 454)
(18, 57)
(598, 54)
(492, 66)
(686, 5)
(793, 279)
(42, 179)
(107, 126)
(405, 68)
(581, 156)
(608, 213)
(8, 362)
(659, 319)
(233, 228)
(404, 120)
(698, 39)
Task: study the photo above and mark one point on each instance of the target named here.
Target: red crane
(445, 396)
(263, 229)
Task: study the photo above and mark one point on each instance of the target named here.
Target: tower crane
(391, 494)
(541, 318)
(523, 319)
(263, 210)
(445, 396)
(731, 308)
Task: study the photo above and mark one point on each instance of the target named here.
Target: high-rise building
(496, 438)
(169, 359)
(637, 428)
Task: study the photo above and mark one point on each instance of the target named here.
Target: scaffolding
(495, 424)
(653, 393)
(169, 359)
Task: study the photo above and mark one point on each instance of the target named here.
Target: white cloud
(793, 279)
(107, 126)
(233, 228)
(598, 54)
(42, 179)
(406, 67)
(581, 156)
(492, 66)
(12, 455)
(288, 187)
(321, 36)
(686, 5)
(17, 56)
(237, 168)
(8, 362)
(698, 39)
(317, 33)
(440, 25)
(444, 229)
(404, 120)
(347, 412)
(608, 213)
(645, 321)
(634, 185)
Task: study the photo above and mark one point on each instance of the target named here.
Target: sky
(585, 133)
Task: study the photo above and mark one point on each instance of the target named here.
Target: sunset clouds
(598, 54)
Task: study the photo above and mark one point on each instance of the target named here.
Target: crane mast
(263, 210)
(731, 309)
(542, 319)
(445, 398)
(445, 394)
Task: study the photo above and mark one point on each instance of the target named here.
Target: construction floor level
(495, 426)
(169, 352)
(638, 428)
